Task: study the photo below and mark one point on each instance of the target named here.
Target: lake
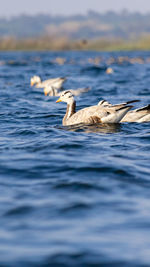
(73, 196)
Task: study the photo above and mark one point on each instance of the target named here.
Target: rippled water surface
(73, 196)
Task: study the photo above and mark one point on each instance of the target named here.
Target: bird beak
(59, 100)
(32, 83)
(45, 93)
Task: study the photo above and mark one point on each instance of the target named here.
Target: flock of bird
(103, 112)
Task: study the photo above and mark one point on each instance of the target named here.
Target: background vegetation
(94, 31)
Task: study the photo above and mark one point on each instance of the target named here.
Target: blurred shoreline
(110, 31)
(63, 44)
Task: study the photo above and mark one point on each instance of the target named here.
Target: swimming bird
(56, 82)
(92, 114)
(52, 91)
(136, 115)
(109, 70)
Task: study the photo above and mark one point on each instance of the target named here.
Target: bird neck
(38, 81)
(53, 91)
(71, 109)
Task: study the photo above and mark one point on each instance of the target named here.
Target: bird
(92, 114)
(52, 91)
(138, 115)
(135, 115)
(56, 82)
(109, 70)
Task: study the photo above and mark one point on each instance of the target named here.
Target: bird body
(136, 115)
(92, 114)
(52, 91)
(55, 82)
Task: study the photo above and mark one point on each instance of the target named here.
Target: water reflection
(95, 128)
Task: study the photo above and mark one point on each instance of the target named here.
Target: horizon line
(121, 11)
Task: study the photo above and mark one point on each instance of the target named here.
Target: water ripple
(72, 196)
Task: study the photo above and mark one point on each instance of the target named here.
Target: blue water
(73, 196)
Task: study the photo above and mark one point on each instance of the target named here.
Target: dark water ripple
(73, 196)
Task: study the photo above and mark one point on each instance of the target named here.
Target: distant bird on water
(55, 82)
(52, 91)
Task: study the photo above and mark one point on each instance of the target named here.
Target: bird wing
(97, 114)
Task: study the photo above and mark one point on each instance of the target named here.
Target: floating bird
(109, 70)
(92, 114)
(52, 91)
(56, 82)
(136, 115)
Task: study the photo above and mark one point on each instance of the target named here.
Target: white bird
(136, 115)
(92, 114)
(52, 91)
(56, 82)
